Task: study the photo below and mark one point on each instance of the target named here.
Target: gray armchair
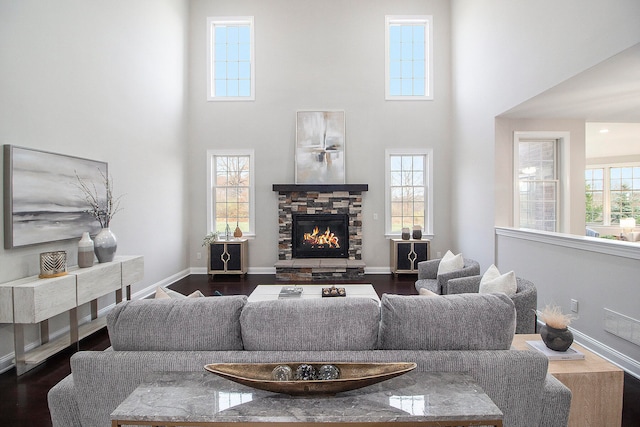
(525, 299)
(428, 274)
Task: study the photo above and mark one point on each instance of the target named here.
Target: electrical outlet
(438, 254)
(199, 255)
(375, 216)
(574, 305)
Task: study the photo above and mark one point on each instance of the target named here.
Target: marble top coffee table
(270, 292)
(204, 399)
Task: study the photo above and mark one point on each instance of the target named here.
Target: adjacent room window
(541, 180)
(230, 59)
(594, 195)
(612, 192)
(231, 190)
(408, 64)
(409, 193)
(537, 183)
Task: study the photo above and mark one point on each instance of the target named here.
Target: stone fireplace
(338, 204)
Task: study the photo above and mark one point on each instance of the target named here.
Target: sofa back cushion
(177, 324)
(311, 324)
(448, 322)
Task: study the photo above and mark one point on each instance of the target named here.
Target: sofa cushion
(451, 322)
(311, 324)
(177, 324)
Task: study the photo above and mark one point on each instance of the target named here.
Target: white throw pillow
(427, 293)
(450, 262)
(492, 282)
(165, 293)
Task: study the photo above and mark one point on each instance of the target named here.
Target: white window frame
(606, 188)
(211, 154)
(427, 21)
(563, 143)
(428, 178)
(212, 22)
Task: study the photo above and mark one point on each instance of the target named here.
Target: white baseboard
(631, 366)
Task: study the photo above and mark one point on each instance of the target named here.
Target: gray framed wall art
(320, 144)
(42, 199)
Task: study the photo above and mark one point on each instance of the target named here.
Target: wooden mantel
(323, 188)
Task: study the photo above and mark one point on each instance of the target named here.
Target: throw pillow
(427, 293)
(450, 262)
(166, 293)
(492, 281)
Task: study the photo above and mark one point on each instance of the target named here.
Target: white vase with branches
(103, 210)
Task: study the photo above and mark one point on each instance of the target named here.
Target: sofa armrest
(556, 403)
(63, 405)
(428, 269)
(462, 285)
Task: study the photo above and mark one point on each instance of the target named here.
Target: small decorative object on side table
(53, 264)
(555, 332)
(103, 207)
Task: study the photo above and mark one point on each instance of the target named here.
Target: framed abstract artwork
(42, 199)
(320, 144)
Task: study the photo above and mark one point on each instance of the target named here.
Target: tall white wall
(103, 80)
(503, 53)
(317, 55)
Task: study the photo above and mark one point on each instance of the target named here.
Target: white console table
(33, 300)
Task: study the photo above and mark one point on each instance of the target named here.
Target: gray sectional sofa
(469, 333)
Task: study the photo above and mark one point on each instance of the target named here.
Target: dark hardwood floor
(23, 400)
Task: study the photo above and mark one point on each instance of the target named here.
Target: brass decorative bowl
(352, 376)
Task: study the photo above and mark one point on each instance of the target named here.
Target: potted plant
(210, 238)
(555, 332)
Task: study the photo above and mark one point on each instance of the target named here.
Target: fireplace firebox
(320, 235)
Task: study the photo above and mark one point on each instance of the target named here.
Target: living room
(126, 83)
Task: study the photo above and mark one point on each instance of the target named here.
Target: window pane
(396, 178)
(408, 193)
(394, 69)
(232, 60)
(231, 192)
(396, 163)
(407, 43)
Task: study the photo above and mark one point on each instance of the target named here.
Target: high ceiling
(606, 96)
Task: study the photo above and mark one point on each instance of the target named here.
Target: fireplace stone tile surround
(313, 199)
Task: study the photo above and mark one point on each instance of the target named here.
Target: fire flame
(326, 238)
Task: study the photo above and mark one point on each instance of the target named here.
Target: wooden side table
(596, 385)
(228, 257)
(406, 254)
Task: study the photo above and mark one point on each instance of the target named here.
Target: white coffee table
(270, 292)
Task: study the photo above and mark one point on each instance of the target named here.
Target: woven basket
(53, 264)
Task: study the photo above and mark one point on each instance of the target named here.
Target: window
(594, 195)
(408, 64)
(537, 184)
(230, 59)
(541, 180)
(612, 192)
(409, 193)
(231, 190)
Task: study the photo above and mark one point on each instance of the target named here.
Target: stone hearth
(315, 199)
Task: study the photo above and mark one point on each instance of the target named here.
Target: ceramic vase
(556, 339)
(105, 245)
(405, 233)
(417, 232)
(85, 251)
